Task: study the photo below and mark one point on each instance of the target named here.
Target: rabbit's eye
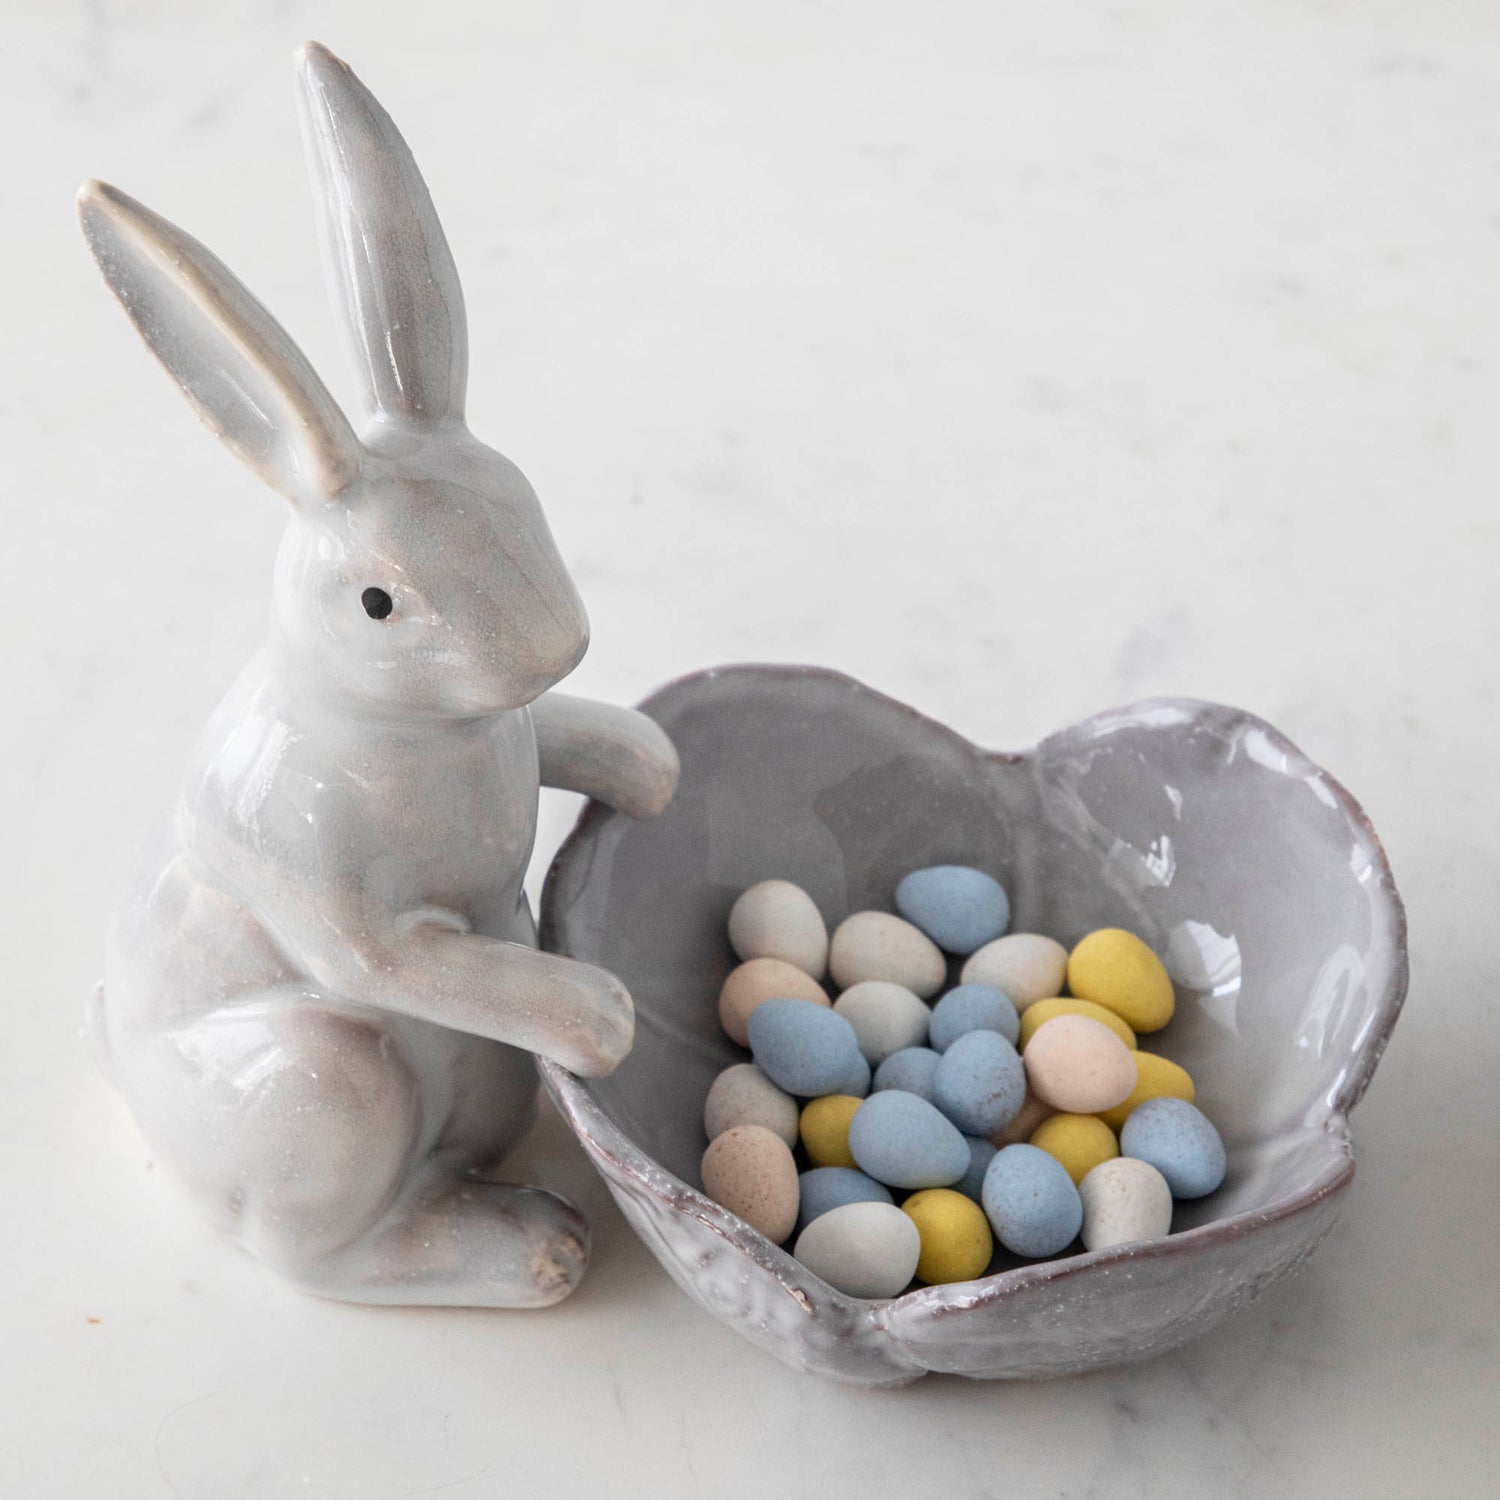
(377, 603)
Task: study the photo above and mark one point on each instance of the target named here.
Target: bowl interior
(1198, 828)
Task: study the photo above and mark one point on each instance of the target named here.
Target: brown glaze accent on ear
(237, 366)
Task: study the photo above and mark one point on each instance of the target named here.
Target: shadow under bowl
(1250, 870)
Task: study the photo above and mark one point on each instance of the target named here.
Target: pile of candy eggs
(1015, 1106)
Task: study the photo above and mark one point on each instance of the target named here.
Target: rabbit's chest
(449, 817)
(389, 821)
(462, 812)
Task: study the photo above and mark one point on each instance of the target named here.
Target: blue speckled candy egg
(980, 1082)
(824, 1188)
(1180, 1141)
(904, 1142)
(910, 1070)
(1031, 1202)
(959, 908)
(806, 1049)
(857, 1081)
(972, 1007)
(981, 1154)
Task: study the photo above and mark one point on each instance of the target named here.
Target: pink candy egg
(1079, 1065)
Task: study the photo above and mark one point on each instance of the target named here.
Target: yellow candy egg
(956, 1239)
(1115, 969)
(1155, 1078)
(825, 1129)
(1079, 1142)
(1042, 1011)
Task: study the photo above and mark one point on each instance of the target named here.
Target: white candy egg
(876, 945)
(1124, 1200)
(886, 1017)
(862, 1249)
(776, 919)
(1026, 965)
(743, 1095)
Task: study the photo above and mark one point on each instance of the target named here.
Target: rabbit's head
(417, 572)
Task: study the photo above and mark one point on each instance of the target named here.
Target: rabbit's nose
(580, 650)
(566, 638)
(557, 667)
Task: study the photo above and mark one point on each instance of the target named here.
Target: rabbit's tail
(94, 1031)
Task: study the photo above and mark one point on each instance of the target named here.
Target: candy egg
(980, 1082)
(886, 1017)
(1019, 1129)
(972, 1007)
(743, 1095)
(1115, 969)
(959, 908)
(876, 945)
(762, 979)
(910, 1070)
(776, 919)
(862, 1249)
(1180, 1141)
(751, 1172)
(1079, 1142)
(825, 1129)
(1124, 1200)
(1155, 1078)
(826, 1188)
(1031, 1202)
(857, 1079)
(905, 1142)
(1075, 1064)
(955, 1236)
(1042, 1011)
(981, 1154)
(805, 1049)
(1024, 965)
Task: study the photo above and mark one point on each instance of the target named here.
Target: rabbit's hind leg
(461, 1242)
(308, 1131)
(297, 1121)
(352, 1188)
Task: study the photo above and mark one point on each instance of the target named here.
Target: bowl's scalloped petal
(1125, 1304)
(1257, 876)
(729, 1269)
(1197, 825)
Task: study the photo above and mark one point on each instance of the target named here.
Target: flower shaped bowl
(1248, 868)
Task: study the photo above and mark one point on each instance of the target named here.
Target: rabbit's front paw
(654, 774)
(603, 1026)
(658, 783)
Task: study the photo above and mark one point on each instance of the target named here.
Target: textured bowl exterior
(1200, 827)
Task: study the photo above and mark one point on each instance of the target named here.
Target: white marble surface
(1019, 360)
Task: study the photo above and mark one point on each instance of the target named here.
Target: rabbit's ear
(393, 275)
(235, 363)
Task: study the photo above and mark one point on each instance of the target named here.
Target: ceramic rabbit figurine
(322, 985)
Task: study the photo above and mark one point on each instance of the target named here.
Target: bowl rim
(604, 1139)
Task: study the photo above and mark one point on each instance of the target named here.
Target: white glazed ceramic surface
(322, 975)
(1200, 827)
